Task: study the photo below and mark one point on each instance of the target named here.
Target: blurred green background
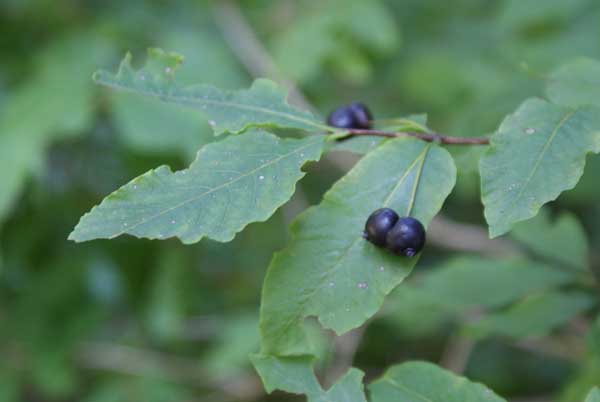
(139, 320)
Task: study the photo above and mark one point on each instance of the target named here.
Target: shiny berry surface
(406, 238)
(379, 224)
(362, 115)
(356, 115)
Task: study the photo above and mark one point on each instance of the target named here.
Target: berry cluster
(402, 236)
(355, 115)
(384, 228)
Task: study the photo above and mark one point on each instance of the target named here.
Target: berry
(356, 115)
(341, 117)
(379, 224)
(362, 115)
(407, 237)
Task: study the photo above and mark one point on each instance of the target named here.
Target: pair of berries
(384, 228)
(402, 236)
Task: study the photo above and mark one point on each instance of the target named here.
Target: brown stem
(430, 137)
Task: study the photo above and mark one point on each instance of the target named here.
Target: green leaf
(296, 375)
(594, 395)
(562, 240)
(44, 109)
(148, 126)
(230, 184)
(263, 105)
(575, 84)
(516, 14)
(538, 152)
(328, 32)
(533, 317)
(238, 337)
(414, 313)
(328, 270)
(471, 282)
(151, 126)
(421, 381)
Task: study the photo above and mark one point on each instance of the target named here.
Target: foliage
(188, 145)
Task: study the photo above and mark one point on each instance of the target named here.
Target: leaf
(230, 184)
(538, 152)
(237, 338)
(44, 109)
(262, 105)
(295, 375)
(469, 282)
(151, 126)
(414, 313)
(594, 395)
(421, 381)
(323, 34)
(328, 270)
(535, 316)
(562, 240)
(518, 13)
(575, 84)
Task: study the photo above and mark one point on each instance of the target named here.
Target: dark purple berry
(379, 224)
(356, 115)
(362, 115)
(407, 237)
(341, 117)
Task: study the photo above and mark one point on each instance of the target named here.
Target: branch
(148, 363)
(429, 137)
(457, 353)
(345, 347)
(452, 235)
(244, 43)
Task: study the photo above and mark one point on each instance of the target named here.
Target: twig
(242, 40)
(149, 363)
(345, 349)
(429, 137)
(457, 353)
(446, 233)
